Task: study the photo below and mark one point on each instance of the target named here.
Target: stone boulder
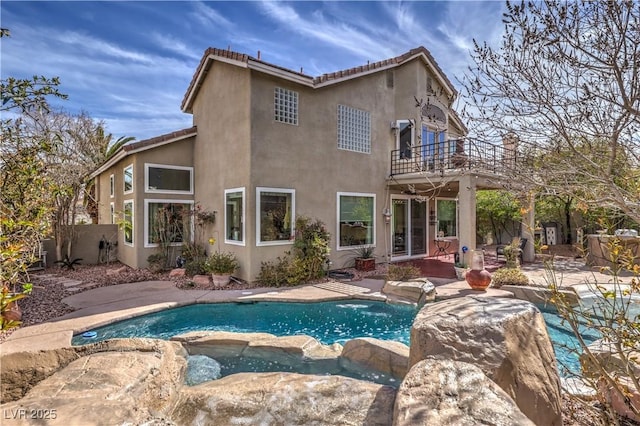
(446, 392)
(285, 399)
(419, 290)
(386, 356)
(506, 338)
(117, 383)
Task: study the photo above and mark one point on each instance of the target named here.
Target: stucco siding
(222, 153)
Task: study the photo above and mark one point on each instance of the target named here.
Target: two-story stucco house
(375, 152)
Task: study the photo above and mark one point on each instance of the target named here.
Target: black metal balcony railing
(459, 154)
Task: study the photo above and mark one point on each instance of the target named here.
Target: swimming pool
(328, 322)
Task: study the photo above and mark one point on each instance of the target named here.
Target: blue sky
(130, 63)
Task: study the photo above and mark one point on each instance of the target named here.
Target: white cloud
(341, 35)
(173, 44)
(207, 16)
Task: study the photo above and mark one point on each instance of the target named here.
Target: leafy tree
(24, 218)
(569, 94)
(497, 212)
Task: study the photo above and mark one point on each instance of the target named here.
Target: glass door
(399, 226)
(408, 226)
(418, 227)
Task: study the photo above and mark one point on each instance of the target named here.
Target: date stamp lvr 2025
(29, 414)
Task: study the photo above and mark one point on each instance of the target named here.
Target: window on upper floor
(405, 138)
(167, 179)
(286, 106)
(354, 129)
(234, 216)
(276, 213)
(434, 144)
(112, 186)
(128, 179)
(356, 220)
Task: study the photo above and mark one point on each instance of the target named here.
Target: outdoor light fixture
(387, 215)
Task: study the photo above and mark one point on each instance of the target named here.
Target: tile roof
(135, 145)
(329, 78)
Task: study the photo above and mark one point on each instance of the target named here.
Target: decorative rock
(285, 399)
(419, 290)
(130, 383)
(201, 280)
(381, 355)
(506, 338)
(177, 272)
(118, 271)
(446, 392)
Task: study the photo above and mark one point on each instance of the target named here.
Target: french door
(408, 227)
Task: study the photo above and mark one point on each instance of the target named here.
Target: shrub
(196, 266)
(275, 273)
(222, 263)
(508, 276)
(403, 272)
(157, 262)
(307, 259)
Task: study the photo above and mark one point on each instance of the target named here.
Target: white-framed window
(435, 145)
(286, 106)
(275, 216)
(168, 179)
(128, 222)
(128, 179)
(112, 186)
(167, 221)
(356, 220)
(354, 129)
(112, 212)
(446, 217)
(234, 215)
(405, 138)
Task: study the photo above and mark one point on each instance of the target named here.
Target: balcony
(452, 155)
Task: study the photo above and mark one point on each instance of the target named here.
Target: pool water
(328, 322)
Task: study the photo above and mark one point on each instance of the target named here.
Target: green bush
(508, 276)
(222, 263)
(305, 262)
(196, 266)
(403, 272)
(157, 262)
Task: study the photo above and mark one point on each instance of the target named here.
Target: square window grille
(286, 106)
(354, 129)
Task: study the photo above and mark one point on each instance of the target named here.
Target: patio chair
(521, 246)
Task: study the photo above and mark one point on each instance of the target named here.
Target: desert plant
(157, 262)
(612, 372)
(364, 252)
(403, 272)
(508, 276)
(68, 263)
(222, 263)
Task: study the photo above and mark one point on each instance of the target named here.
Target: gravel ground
(45, 303)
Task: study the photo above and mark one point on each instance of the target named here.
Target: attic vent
(389, 79)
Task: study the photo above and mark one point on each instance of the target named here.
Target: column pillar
(467, 217)
(528, 229)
